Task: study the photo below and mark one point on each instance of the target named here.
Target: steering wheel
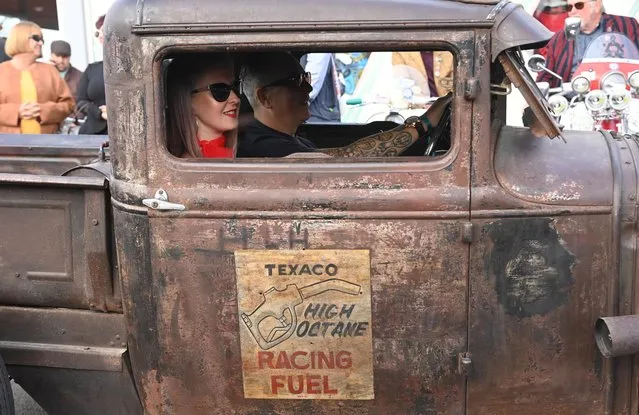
(439, 140)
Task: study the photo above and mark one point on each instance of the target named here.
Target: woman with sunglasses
(91, 95)
(34, 99)
(203, 106)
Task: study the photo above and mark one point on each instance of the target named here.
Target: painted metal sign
(305, 324)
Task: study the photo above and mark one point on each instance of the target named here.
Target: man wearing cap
(61, 59)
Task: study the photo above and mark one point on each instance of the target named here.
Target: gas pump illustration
(280, 305)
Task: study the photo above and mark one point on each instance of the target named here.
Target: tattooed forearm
(385, 144)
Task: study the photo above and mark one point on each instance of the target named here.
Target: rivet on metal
(91, 305)
(123, 344)
(117, 337)
(17, 275)
(95, 222)
(631, 197)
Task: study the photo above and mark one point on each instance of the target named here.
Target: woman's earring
(197, 124)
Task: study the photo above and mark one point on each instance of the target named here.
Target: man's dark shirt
(258, 140)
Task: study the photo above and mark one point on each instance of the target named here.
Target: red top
(215, 148)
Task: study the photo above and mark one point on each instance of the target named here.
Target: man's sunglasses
(219, 91)
(579, 5)
(295, 80)
(37, 38)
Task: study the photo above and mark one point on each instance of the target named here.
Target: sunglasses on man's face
(293, 80)
(219, 91)
(579, 5)
(37, 38)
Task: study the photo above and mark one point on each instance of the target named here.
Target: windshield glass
(611, 46)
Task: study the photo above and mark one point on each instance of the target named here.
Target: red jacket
(561, 51)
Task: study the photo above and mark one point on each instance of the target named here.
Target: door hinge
(161, 202)
(467, 232)
(471, 89)
(464, 363)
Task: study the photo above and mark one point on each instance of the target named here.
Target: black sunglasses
(297, 80)
(219, 91)
(37, 38)
(579, 5)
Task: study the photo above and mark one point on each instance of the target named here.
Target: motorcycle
(604, 91)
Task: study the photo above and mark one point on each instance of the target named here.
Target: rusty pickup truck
(496, 275)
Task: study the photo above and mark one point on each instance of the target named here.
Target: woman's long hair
(183, 72)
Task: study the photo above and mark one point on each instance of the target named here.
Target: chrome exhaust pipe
(617, 336)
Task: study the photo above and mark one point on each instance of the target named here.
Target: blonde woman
(34, 99)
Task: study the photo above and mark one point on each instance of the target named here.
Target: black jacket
(90, 97)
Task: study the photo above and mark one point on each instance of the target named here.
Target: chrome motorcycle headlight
(613, 81)
(581, 85)
(558, 105)
(596, 100)
(620, 100)
(633, 79)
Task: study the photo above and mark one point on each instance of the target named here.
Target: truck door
(298, 286)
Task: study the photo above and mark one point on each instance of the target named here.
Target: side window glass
(314, 105)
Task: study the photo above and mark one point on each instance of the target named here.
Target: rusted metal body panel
(46, 154)
(536, 290)
(65, 263)
(76, 392)
(69, 361)
(197, 358)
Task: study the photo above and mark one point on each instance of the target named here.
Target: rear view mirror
(572, 26)
(536, 63)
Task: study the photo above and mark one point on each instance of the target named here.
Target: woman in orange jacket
(34, 99)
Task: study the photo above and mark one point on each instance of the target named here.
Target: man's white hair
(261, 69)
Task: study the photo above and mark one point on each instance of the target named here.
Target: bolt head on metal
(95, 222)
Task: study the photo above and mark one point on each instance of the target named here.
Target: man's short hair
(260, 69)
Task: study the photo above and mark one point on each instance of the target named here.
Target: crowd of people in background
(45, 98)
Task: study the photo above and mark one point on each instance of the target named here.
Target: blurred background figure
(61, 59)
(3, 40)
(3, 55)
(91, 96)
(439, 70)
(324, 98)
(552, 14)
(34, 99)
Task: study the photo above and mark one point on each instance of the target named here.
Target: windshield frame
(515, 69)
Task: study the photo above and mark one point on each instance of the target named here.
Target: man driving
(565, 56)
(277, 88)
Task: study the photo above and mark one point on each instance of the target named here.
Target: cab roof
(277, 12)
(511, 25)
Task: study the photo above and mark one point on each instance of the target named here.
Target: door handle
(161, 202)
